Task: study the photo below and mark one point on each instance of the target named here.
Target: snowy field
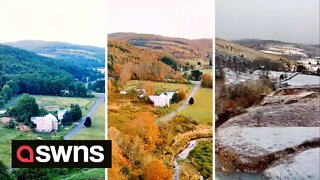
(257, 141)
(232, 77)
(305, 165)
(286, 50)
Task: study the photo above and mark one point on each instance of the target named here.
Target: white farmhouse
(160, 101)
(47, 123)
(61, 113)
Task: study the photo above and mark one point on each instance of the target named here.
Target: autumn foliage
(156, 170)
(206, 80)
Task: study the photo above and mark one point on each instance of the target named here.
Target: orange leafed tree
(117, 70)
(145, 128)
(206, 80)
(119, 162)
(156, 170)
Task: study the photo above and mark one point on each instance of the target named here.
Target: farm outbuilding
(47, 123)
(61, 113)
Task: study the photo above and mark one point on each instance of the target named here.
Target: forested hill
(81, 55)
(179, 48)
(36, 74)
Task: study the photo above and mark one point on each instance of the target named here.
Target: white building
(61, 113)
(47, 123)
(2, 112)
(160, 101)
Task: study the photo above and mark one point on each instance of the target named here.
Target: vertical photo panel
(160, 89)
(267, 89)
(52, 81)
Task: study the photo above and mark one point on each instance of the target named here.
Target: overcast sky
(178, 18)
(74, 21)
(285, 20)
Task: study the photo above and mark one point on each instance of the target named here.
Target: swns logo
(61, 154)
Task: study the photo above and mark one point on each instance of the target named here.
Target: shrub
(175, 98)
(11, 124)
(191, 101)
(206, 80)
(87, 122)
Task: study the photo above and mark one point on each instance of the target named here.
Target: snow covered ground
(305, 165)
(232, 77)
(260, 141)
(286, 50)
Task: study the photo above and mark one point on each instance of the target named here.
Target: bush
(11, 124)
(67, 119)
(201, 157)
(87, 122)
(75, 112)
(4, 172)
(191, 101)
(196, 75)
(175, 98)
(206, 80)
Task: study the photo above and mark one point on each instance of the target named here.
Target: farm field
(201, 110)
(207, 71)
(5, 145)
(96, 132)
(9, 134)
(163, 87)
(53, 103)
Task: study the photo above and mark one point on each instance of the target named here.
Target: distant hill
(120, 53)
(79, 54)
(14, 61)
(180, 48)
(229, 48)
(258, 44)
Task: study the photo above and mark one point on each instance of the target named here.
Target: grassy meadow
(201, 110)
(96, 132)
(53, 103)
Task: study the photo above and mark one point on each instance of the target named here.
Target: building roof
(49, 117)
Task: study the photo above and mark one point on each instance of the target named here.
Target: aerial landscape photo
(51, 80)
(267, 93)
(160, 89)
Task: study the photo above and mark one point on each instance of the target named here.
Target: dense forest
(25, 72)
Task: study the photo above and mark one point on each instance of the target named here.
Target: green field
(9, 134)
(84, 174)
(5, 143)
(97, 130)
(53, 103)
(207, 71)
(163, 87)
(201, 110)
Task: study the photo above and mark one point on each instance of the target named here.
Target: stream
(218, 175)
(181, 156)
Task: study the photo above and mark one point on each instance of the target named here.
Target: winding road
(184, 105)
(91, 111)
